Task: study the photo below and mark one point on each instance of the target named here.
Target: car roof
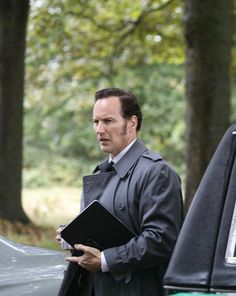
(199, 260)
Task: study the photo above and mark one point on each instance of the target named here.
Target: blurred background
(178, 57)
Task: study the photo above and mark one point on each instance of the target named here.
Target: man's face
(113, 132)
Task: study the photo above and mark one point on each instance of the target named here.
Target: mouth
(103, 141)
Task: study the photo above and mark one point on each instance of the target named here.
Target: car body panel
(198, 262)
(28, 270)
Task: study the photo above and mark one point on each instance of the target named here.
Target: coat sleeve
(160, 219)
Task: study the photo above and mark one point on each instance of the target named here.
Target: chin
(105, 149)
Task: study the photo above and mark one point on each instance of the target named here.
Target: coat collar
(123, 166)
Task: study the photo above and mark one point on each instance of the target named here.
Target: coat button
(121, 206)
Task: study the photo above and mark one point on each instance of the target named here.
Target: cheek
(116, 132)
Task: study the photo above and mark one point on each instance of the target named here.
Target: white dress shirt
(104, 265)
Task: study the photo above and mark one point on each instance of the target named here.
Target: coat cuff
(120, 271)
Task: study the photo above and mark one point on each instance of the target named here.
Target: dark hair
(128, 101)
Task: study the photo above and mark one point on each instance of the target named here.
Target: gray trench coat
(145, 193)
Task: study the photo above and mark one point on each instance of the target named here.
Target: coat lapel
(123, 166)
(95, 185)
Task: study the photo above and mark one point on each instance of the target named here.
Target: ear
(133, 122)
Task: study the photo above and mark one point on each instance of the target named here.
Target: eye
(95, 122)
(107, 121)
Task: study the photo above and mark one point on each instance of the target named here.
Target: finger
(58, 237)
(58, 231)
(88, 250)
(81, 247)
(72, 259)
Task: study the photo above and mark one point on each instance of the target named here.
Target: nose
(99, 128)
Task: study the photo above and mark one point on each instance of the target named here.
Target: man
(143, 191)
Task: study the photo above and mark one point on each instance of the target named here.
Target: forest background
(75, 48)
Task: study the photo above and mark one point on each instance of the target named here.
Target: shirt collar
(122, 153)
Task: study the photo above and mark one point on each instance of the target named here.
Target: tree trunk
(13, 22)
(208, 33)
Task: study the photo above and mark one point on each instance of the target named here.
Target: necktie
(107, 167)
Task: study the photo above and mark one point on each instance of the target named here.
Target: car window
(230, 256)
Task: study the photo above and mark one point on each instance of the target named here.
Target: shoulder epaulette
(155, 156)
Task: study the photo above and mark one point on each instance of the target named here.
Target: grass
(51, 206)
(47, 208)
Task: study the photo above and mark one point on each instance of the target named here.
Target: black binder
(97, 227)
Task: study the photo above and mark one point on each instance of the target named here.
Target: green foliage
(160, 89)
(60, 145)
(78, 43)
(86, 39)
(77, 47)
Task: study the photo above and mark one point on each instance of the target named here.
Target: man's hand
(58, 234)
(64, 245)
(90, 260)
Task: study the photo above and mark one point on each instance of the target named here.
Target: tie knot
(107, 167)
